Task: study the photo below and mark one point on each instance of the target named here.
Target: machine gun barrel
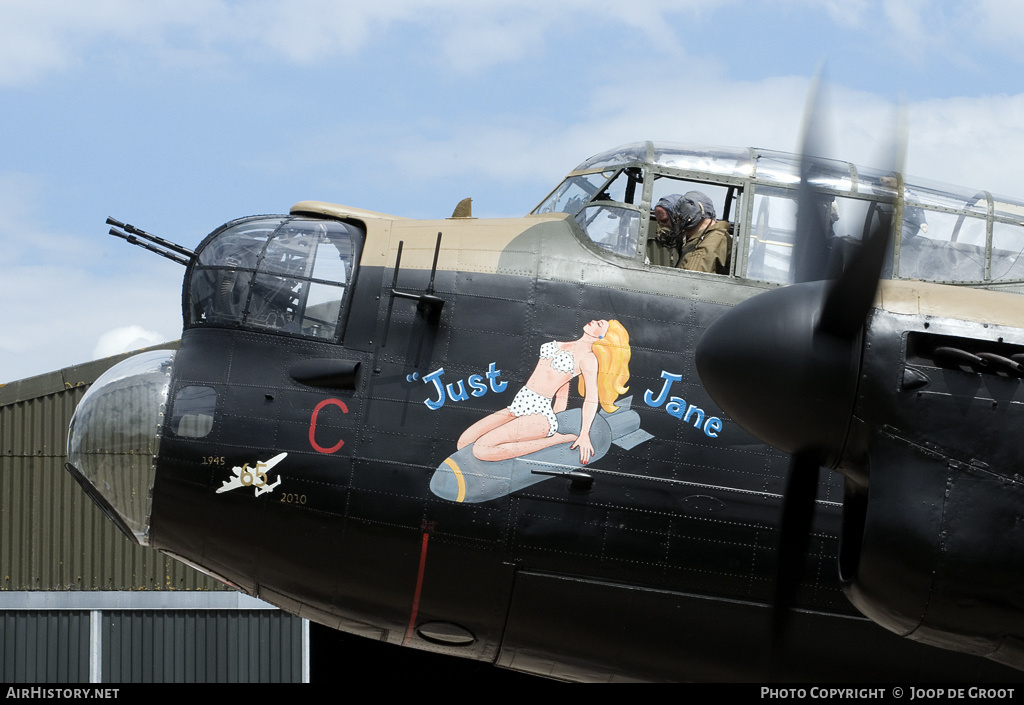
(129, 228)
(164, 248)
(163, 253)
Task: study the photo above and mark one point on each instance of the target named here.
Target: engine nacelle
(934, 551)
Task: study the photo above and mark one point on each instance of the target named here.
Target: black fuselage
(660, 567)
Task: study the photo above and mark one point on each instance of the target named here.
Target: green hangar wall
(80, 603)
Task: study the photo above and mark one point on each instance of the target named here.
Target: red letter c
(312, 426)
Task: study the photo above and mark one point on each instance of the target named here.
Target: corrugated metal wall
(52, 537)
(44, 647)
(152, 646)
(221, 646)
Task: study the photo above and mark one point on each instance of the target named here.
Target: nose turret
(114, 438)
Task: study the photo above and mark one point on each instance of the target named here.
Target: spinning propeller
(785, 364)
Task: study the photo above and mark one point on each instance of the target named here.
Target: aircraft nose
(114, 438)
(769, 367)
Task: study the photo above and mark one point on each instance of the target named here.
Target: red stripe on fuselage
(416, 595)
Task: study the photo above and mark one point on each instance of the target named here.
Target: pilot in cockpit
(688, 236)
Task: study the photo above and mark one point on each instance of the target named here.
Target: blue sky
(179, 116)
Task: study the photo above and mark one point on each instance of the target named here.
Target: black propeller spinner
(785, 364)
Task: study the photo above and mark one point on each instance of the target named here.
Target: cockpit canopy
(276, 273)
(943, 233)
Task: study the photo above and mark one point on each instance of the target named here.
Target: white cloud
(46, 36)
(61, 289)
(57, 308)
(976, 143)
(849, 12)
(125, 339)
(40, 37)
(306, 31)
(64, 287)
(973, 142)
(1000, 22)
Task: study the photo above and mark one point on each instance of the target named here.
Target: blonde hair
(612, 353)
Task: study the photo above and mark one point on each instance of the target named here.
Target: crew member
(688, 236)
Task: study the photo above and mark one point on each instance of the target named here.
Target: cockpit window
(275, 273)
(846, 222)
(241, 245)
(1007, 251)
(945, 233)
(574, 193)
(612, 228)
(600, 201)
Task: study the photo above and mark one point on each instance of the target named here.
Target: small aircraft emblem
(255, 477)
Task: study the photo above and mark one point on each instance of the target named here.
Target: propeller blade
(794, 537)
(850, 297)
(813, 220)
(785, 364)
